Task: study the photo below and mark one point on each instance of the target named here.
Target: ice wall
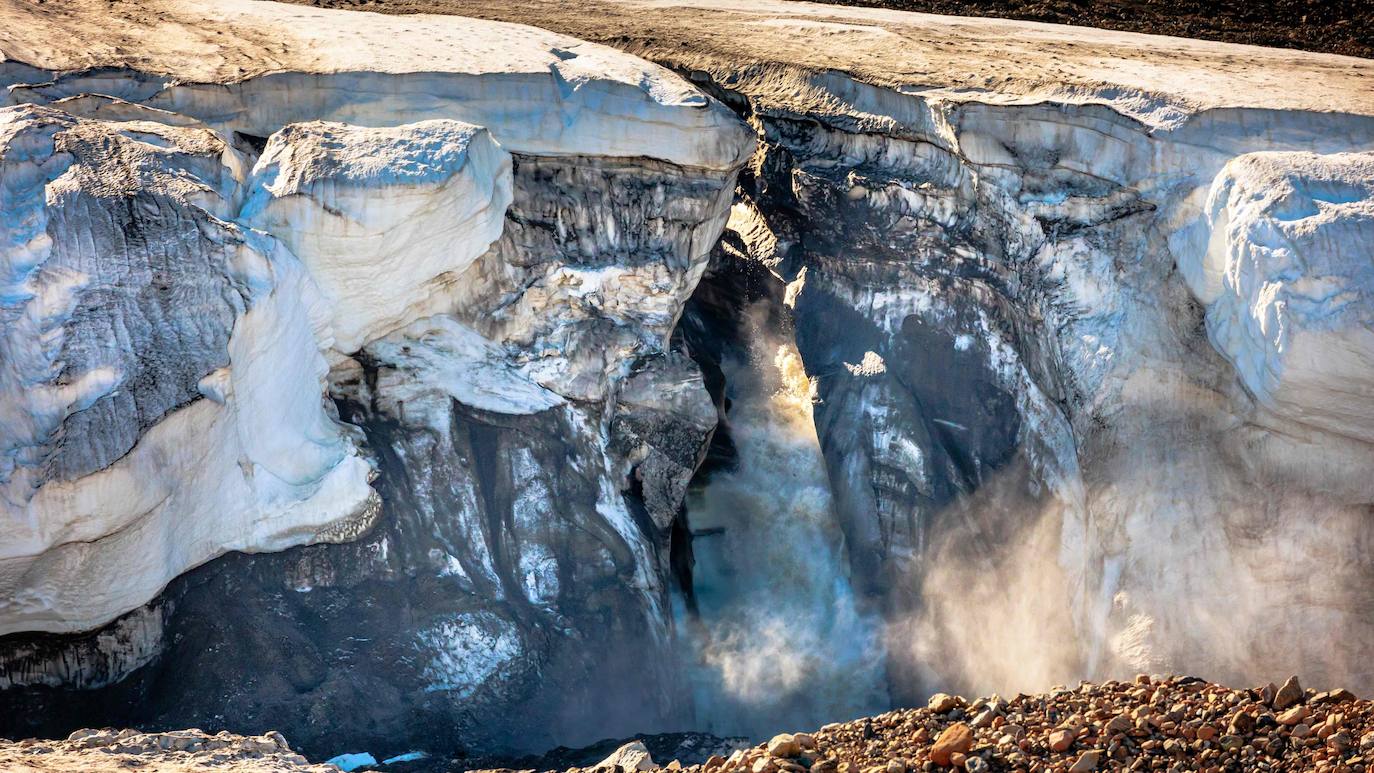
(1085, 316)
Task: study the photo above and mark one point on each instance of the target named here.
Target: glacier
(266, 314)
(394, 360)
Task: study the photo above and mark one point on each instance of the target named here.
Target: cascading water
(779, 640)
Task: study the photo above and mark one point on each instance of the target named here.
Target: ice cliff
(1059, 342)
(416, 299)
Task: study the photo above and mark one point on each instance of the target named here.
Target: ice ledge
(788, 55)
(255, 66)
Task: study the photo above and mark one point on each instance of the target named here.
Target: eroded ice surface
(1085, 314)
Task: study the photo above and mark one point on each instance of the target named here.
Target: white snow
(379, 216)
(871, 365)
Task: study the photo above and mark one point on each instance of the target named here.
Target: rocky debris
(1169, 723)
(1166, 723)
(95, 751)
(1325, 27)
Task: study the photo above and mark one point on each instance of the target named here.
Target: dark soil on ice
(1327, 26)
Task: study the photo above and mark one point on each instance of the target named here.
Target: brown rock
(1061, 740)
(1086, 761)
(784, 745)
(1206, 732)
(1242, 723)
(1293, 716)
(1334, 696)
(956, 739)
(941, 703)
(1289, 694)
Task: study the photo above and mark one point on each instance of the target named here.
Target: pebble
(1293, 716)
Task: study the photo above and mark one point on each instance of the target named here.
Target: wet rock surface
(1164, 723)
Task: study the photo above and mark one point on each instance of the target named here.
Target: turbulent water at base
(780, 640)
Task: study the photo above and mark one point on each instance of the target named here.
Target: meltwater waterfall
(779, 640)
